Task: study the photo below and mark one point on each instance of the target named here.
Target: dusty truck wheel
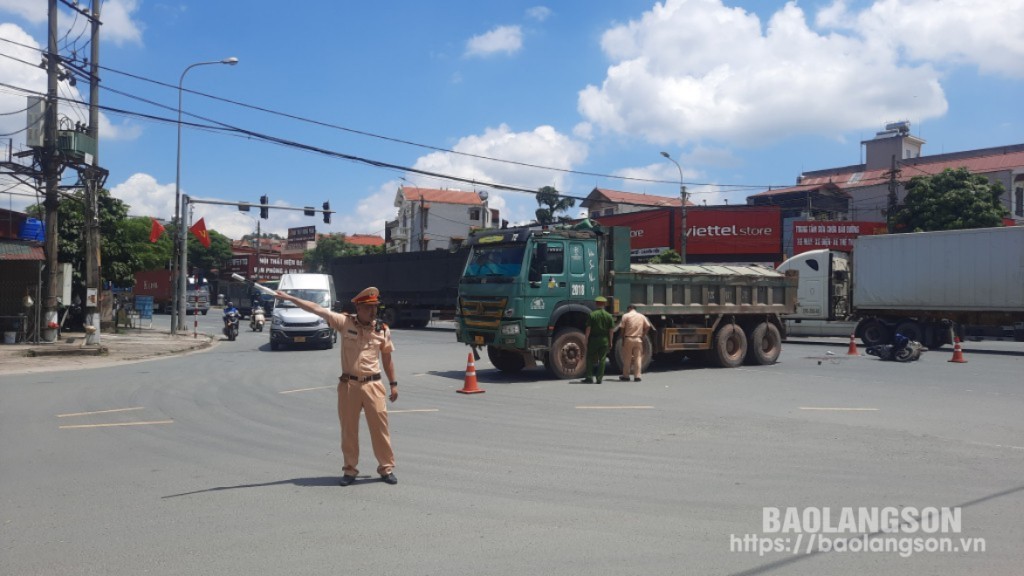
(730, 346)
(504, 360)
(874, 332)
(764, 344)
(568, 356)
(645, 359)
(912, 330)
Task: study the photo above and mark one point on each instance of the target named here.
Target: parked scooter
(231, 324)
(257, 320)
(902, 349)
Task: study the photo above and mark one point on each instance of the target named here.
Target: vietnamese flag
(199, 229)
(155, 231)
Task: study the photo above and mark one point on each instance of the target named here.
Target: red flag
(199, 229)
(155, 231)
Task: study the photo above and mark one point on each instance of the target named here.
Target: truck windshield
(495, 261)
(321, 297)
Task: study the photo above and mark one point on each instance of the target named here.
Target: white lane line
(116, 424)
(614, 407)
(830, 409)
(99, 412)
(307, 389)
(413, 410)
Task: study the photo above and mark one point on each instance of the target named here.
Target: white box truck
(921, 285)
(291, 325)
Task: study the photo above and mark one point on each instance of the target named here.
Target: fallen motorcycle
(902, 349)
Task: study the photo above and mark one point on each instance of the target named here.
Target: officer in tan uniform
(634, 327)
(365, 346)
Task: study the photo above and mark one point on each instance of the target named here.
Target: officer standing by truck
(634, 326)
(600, 327)
(366, 345)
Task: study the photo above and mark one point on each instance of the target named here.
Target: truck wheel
(568, 356)
(764, 344)
(645, 360)
(912, 330)
(874, 332)
(504, 360)
(730, 346)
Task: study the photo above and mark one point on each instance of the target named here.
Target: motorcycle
(258, 320)
(231, 325)
(902, 349)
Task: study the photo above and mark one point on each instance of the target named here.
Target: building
(430, 219)
(604, 202)
(861, 192)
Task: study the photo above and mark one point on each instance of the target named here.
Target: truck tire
(567, 358)
(764, 344)
(645, 360)
(730, 346)
(874, 332)
(911, 329)
(504, 360)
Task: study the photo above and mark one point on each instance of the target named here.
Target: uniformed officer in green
(600, 328)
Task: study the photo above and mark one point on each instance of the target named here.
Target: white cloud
(543, 146)
(118, 25)
(691, 70)
(145, 196)
(34, 12)
(538, 13)
(507, 39)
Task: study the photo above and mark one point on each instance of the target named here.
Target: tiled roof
(440, 196)
(20, 251)
(618, 197)
(851, 178)
(364, 240)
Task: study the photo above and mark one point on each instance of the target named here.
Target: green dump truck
(525, 295)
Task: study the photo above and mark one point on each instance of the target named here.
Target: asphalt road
(227, 461)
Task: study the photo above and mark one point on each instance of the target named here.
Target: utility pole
(92, 186)
(255, 270)
(893, 200)
(51, 175)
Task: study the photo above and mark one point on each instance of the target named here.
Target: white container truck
(921, 285)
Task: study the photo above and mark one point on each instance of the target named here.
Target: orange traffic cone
(469, 387)
(958, 352)
(853, 347)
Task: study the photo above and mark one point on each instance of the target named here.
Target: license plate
(478, 339)
(300, 338)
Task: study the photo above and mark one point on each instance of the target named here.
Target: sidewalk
(71, 352)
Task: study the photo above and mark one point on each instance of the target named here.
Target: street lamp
(178, 321)
(682, 195)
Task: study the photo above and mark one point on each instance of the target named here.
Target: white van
(290, 324)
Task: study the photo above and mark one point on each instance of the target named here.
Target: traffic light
(264, 209)
(327, 212)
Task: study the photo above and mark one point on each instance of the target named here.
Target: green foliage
(669, 256)
(330, 247)
(211, 258)
(551, 203)
(951, 200)
(151, 255)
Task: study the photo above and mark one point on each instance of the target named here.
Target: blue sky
(745, 94)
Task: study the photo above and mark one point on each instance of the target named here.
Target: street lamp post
(178, 320)
(682, 195)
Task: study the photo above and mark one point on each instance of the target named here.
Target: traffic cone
(852, 351)
(958, 352)
(469, 387)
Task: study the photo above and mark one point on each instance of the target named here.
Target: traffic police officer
(634, 327)
(366, 345)
(600, 327)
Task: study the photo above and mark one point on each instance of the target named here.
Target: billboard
(831, 234)
(266, 267)
(713, 233)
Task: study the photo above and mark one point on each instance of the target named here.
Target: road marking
(307, 389)
(828, 409)
(99, 412)
(414, 410)
(116, 424)
(614, 407)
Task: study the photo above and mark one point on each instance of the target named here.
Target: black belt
(370, 378)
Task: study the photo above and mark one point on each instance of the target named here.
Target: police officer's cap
(369, 296)
(601, 300)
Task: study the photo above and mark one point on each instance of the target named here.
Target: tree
(551, 204)
(210, 258)
(950, 200)
(151, 255)
(669, 256)
(330, 247)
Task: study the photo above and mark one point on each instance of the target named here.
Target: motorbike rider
(229, 308)
(258, 318)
